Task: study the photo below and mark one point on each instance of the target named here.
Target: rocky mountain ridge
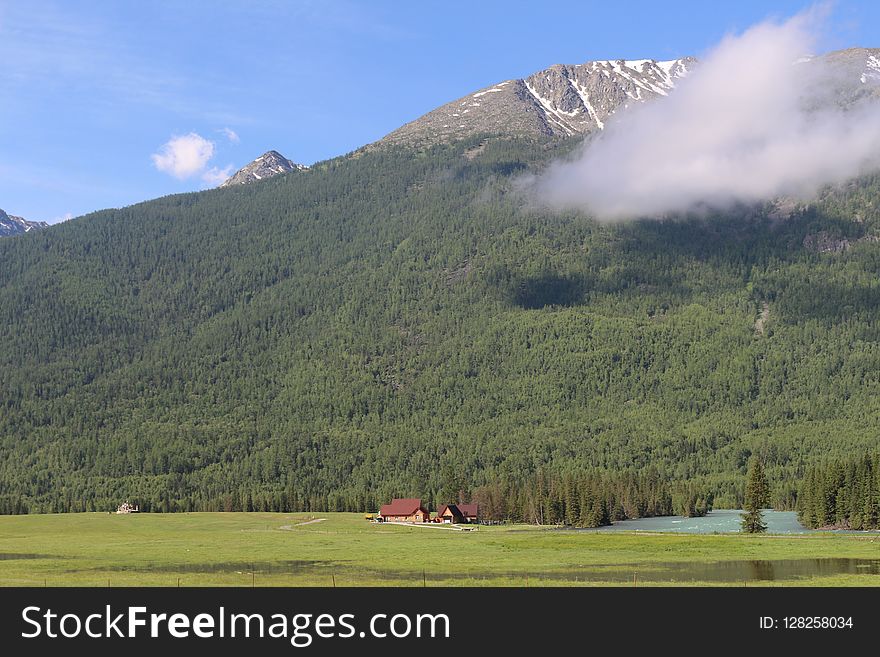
(568, 100)
(269, 164)
(11, 225)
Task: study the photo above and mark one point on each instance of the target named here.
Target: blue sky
(90, 92)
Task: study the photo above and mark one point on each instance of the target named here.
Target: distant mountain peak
(562, 100)
(269, 164)
(12, 225)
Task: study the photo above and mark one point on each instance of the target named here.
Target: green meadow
(342, 549)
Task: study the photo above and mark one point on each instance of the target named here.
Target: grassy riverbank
(266, 549)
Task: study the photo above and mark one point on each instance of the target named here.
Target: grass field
(263, 549)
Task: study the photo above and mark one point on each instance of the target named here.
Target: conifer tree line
(842, 494)
(590, 499)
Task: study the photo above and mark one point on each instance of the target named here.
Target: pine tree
(572, 501)
(756, 498)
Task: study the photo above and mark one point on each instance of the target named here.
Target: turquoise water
(724, 521)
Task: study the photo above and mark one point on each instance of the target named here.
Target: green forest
(843, 493)
(403, 322)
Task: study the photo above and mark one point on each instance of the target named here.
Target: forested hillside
(400, 322)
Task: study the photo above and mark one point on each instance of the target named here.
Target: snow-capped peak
(269, 164)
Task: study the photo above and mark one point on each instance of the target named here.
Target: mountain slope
(269, 164)
(400, 312)
(11, 225)
(331, 340)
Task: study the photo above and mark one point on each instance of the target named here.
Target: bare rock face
(266, 166)
(559, 101)
(824, 242)
(12, 225)
(783, 208)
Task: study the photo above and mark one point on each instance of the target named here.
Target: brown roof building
(470, 512)
(409, 509)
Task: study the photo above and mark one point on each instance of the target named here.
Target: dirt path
(289, 528)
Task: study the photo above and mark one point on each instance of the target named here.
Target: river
(722, 521)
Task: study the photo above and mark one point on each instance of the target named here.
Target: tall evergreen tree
(756, 498)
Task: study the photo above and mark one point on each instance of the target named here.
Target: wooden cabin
(408, 509)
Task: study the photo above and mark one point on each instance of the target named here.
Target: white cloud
(184, 156)
(215, 176)
(748, 124)
(231, 135)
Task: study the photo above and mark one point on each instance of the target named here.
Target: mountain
(571, 100)
(12, 225)
(399, 323)
(561, 101)
(269, 164)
